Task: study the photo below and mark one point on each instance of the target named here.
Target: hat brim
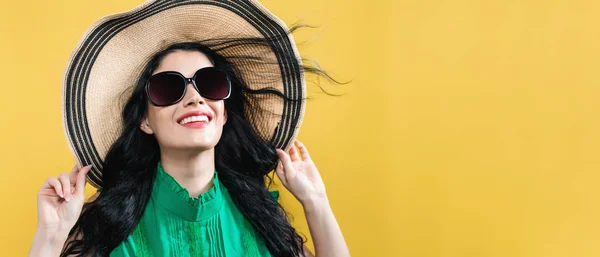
(111, 55)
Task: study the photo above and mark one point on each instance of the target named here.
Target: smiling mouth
(194, 119)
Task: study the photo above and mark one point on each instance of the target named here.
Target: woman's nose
(192, 96)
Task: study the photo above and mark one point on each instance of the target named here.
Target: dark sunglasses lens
(166, 88)
(212, 83)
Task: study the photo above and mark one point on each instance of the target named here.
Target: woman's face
(166, 122)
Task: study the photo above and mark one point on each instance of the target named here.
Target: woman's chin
(199, 146)
(197, 142)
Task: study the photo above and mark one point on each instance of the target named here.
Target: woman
(219, 95)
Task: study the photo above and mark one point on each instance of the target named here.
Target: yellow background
(471, 128)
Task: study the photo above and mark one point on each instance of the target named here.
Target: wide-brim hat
(109, 59)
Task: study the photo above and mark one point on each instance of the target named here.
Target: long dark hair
(242, 158)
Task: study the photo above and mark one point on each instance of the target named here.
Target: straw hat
(111, 55)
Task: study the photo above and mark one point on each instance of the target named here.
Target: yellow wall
(470, 128)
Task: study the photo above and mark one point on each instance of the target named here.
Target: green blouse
(174, 224)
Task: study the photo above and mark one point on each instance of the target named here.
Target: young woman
(210, 96)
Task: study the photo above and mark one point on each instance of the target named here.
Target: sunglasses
(169, 87)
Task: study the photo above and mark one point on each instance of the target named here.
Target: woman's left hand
(300, 176)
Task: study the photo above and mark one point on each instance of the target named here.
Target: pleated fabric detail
(140, 238)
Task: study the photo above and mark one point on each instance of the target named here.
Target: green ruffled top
(174, 224)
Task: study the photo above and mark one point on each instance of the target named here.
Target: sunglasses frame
(187, 81)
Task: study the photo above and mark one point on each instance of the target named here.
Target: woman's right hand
(60, 200)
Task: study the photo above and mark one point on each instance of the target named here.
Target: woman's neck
(194, 172)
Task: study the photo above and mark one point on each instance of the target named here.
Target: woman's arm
(302, 179)
(325, 231)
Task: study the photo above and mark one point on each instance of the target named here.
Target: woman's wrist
(47, 242)
(52, 238)
(53, 231)
(315, 205)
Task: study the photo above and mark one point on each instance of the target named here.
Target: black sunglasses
(169, 87)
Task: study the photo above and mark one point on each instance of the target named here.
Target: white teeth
(202, 118)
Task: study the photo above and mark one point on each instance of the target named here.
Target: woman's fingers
(73, 174)
(281, 173)
(80, 183)
(290, 172)
(294, 154)
(303, 150)
(54, 183)
(66, 186)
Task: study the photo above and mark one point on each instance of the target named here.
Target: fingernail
(62, 195)
(68, 199)
(89, 166)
